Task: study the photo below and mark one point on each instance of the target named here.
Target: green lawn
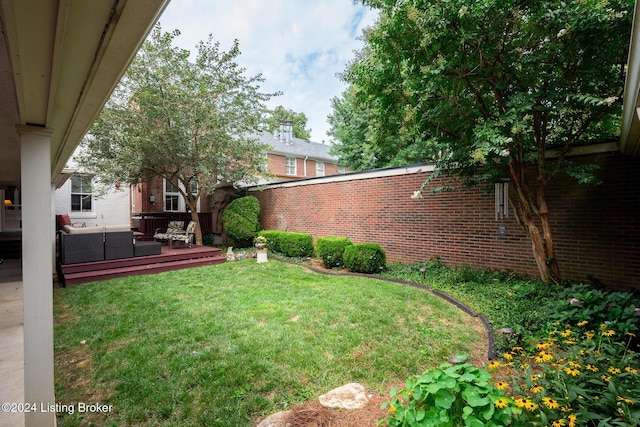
(223, 345)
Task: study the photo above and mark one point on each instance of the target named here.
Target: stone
(350, 396)
(278, 419)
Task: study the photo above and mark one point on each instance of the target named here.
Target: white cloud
(297, 45)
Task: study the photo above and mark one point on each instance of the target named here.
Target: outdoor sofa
(90, 244)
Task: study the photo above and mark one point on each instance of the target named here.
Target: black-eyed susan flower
(583, 322)
(614, 370)
(507, 356)
(557, 423)
(572, 420)
(501, 385)
(631, 370)
(605, 378)
(537, 389)
(550, 403)
(608, 333)
(566, 333)
(626, 400)
(495, 364)
(592, 368)
(520, 402)
(572, 371)
(574, 364)
(530, 405)
(501, 403)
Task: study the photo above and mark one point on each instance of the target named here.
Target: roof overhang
(59, 62)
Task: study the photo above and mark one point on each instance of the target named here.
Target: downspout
(305, 165)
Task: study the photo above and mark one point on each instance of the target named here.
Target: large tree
(186, 120)
(496, 89)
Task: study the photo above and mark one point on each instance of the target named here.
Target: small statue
(230, 255)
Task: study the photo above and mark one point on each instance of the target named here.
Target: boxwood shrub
(365, 258)
(296, 244)
(273, 239)
(331, 250)
(240, 220)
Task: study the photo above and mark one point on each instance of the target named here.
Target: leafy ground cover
(227, 344)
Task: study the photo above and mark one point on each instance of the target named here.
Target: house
(288, 158)
(295, 158)
(59, 63)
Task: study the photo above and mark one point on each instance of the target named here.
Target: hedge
(240, 219)
(364, 258)
(331, 250)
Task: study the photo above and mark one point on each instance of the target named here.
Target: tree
(497, 89)
(189, 122)
(279, 114)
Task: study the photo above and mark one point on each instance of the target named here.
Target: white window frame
(82, 192)
(319, 168)
(291, 166)
(181, 205)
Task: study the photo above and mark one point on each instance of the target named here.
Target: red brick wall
(596, 228)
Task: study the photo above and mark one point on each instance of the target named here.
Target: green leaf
(444, 399)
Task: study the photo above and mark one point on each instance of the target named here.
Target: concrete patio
(11, 341)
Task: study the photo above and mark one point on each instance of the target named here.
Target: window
(171, 197)
(81, 193)
(291, 166)
(341, 169)
(319, 169)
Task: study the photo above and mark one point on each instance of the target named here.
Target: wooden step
(79, 277)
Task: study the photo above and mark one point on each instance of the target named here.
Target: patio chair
(185, 236)
(174, 228)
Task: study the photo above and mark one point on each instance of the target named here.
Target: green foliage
(576, 376)
(365, 258)
(330, 249)
(179, 119)
(584, 303)
(486, 89)
(450, 395)
(273, 239)
(507, 299)
(278, 114)
(296, 244)
(240, 219)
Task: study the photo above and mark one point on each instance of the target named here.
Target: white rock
(350, 396)
(276, 420)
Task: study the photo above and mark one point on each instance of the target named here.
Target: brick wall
(596, 228)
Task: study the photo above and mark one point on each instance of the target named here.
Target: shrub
(449, 395)
(364, 258)
(331, 250)
(296, 244)
(273, 239)
(240, 220)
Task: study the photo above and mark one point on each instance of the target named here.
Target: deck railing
(148, 222)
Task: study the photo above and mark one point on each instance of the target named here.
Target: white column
(37, 273)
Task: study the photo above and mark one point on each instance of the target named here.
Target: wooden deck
(169, 259)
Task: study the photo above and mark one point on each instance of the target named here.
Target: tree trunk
(196, 218)
(541, 241)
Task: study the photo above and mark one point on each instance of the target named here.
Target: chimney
(286, 131)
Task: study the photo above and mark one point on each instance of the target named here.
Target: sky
(297, 45)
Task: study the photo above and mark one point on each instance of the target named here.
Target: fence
(596, 229)
(148, 223)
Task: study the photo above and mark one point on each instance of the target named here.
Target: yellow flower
(631, 334)
(550, 403)
(574, 364)
(524, 366)
(582, 323)
(495, 364)
(572, 420)
(501, 385)
(606, 378)
(603, 326)
(589, 335)
(544, 356)
(410, 393)
(530, 406)
(536, 389)
(614, 370)
(501, 403)
(517, 348)
(608, 333)
(565, 333)
(631, 370)
(556, 323)
(626, 400)
(557, 423)
(592, 368)
(392, 409)
(570, 342)
(508, 356)
(543, 345)
(572, 371)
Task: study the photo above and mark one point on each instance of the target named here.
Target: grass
(507, 299)
(226, 344)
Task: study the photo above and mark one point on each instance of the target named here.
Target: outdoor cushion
(174, 227)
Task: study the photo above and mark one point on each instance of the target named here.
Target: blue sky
(297, 45)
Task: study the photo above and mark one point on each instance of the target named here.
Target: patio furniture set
(92, 244)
